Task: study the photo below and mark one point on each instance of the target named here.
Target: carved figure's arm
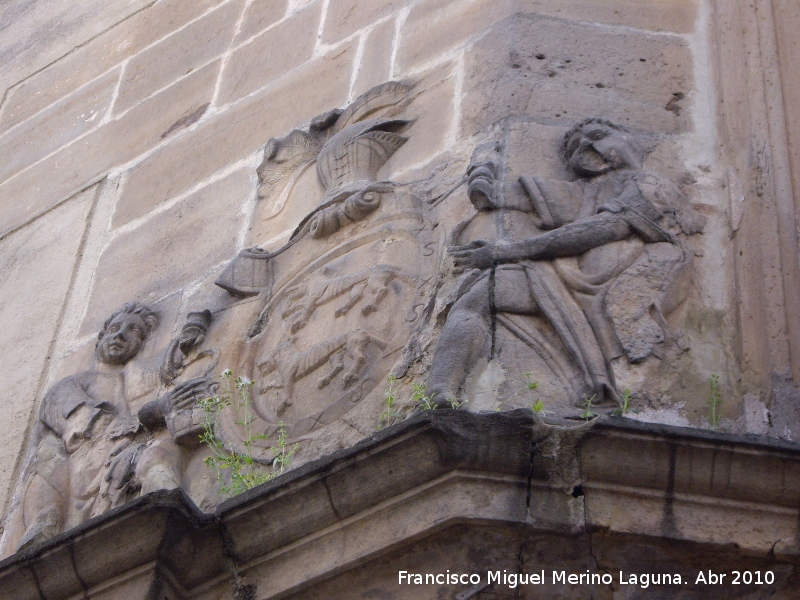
(572, 239)
(153, 414)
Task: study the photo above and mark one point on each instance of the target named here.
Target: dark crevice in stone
(668, 526)
(492, 310)
(330, 499)
(80, 579)
(577, 492)
(187, 120)
(241, 590)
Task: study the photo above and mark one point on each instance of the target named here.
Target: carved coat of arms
(340, 300)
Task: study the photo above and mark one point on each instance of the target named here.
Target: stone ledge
(416, 482)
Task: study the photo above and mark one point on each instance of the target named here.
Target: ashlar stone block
(345, 17)
(259, 15)
(170, 249)
(435, 26)
(119, 141)
(98, 56)
(36, 34)
(180, 53)
(376, 58)
(57, 125)
(557, 71)
(36, 265)
(237, 132)
(270, 55)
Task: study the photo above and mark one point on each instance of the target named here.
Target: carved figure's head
(124, 333)
(596, 146)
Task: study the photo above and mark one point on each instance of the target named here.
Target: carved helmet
(350, 160)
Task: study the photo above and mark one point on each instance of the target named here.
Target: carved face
(122, 340)
(596, 149)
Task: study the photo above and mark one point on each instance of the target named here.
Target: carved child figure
(562, 256)
(90, 449)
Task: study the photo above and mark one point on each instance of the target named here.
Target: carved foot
(298, 325)
(284, 404)
(349, 378)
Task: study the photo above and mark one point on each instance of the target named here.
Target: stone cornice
(434, 471)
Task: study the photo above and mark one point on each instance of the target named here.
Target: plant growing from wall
(625, 403)
(244, 472)
(389, 416)
(424, 401)
(587, 413)
(538, 405)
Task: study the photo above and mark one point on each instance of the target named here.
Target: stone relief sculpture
(91, 449)
(340, 300)
(599, 262)
(578, 275)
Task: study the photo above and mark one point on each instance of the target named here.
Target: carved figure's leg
(159, 467)
(357, 350)
(337, 364)
(356, 293)
(377, 291)
(464, 337)
(287, 391)
(45, 497)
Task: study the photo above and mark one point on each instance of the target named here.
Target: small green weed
(587, 413)
(424, 401)
(714, 401)
(625, 403)
(533, 385)
(245, 472)
(389, 416)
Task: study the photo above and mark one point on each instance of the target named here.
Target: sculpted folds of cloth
(97, 443)
(600, 261)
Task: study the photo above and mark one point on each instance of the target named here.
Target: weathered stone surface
(233, 134)
(259, 15)
(115, 143)
(347, 16)
(277, 216)
(435, 26)
(40, 261)
(530, 65)
(35, 34)
(342, 295)
(554, 292)
(270, 55)
(376, 58)
(677, 16)
(98, 56)
(57, 125)
(170, 245)
(182, 52)
(434, 113)
(458, 492)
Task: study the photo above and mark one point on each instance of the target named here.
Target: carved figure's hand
(121, 470)
(191, 337)
(186, 394)
(475, 255)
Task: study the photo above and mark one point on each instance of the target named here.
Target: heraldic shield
(340, 303)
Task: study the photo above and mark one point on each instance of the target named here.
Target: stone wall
(133, 137)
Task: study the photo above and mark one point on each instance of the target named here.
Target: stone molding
(437, 471)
